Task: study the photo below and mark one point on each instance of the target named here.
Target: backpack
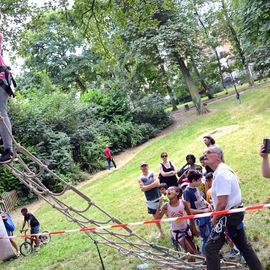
(10, 226)
(8, 82)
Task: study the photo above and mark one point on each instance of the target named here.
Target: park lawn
(239, 131)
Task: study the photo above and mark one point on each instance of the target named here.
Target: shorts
(9, 233)
(34, 230)
(151, 211)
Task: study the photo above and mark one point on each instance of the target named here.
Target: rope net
(30, 171)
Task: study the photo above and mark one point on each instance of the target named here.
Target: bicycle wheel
(26, 248)
(45, 239)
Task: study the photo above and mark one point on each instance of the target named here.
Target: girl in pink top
(180, 229)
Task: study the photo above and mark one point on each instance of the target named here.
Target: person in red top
(107, 153)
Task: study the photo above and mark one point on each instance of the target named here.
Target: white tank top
(177, 211)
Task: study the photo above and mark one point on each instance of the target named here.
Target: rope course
(30, 171)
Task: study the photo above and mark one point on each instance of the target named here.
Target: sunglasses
(164, 156)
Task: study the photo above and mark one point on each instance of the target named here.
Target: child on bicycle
(32, 223)
(10, 227)
(180, 229)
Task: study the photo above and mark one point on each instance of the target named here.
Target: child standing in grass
(180, 229)
(149, 184)
(163, 190)
(198, 205)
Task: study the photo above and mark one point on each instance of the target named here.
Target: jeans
(205, 228)
(109, 163)
(7, 139)
(238, 236)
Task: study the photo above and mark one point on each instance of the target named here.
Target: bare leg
(188, 246)
(37, 241)
(160, 235)
(14, 244)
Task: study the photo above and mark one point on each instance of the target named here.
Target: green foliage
(254, 24)
(70, 133)
(235, 130)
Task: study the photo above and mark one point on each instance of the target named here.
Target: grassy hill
(238, 129)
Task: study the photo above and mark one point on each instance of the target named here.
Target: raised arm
(265, 163)
(161, 211)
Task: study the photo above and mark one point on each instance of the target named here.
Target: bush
(69, 134)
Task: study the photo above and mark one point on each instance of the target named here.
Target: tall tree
(236, 39)
(253, 24)
(210, 40)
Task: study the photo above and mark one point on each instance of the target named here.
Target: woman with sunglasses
(167, 171)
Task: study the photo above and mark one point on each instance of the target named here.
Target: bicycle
(26, 248)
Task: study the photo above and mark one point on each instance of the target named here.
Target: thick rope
(126, 242)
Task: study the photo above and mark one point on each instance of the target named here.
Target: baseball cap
(144, 163)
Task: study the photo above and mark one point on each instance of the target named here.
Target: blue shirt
(194, 197)
(154, 193)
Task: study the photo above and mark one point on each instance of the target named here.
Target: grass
(118, 192)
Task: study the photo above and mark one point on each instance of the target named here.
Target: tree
(210, 40)
(176, 37)
(253, 24)
(235, 37)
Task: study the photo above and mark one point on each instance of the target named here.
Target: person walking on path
(265, 162)
(108, 156)
(5, 124)
(167, 171)
(226, 194)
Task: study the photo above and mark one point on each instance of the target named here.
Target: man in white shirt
(226, 194)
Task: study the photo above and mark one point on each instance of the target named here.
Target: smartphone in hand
(266, 143)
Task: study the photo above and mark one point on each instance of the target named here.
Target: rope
(127, 241)
(99, 254)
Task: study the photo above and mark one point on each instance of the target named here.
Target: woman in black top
(167, 171)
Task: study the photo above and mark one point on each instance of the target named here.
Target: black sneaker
(6, 157)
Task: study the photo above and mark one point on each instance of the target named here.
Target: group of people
(196, 189)
(30, 223)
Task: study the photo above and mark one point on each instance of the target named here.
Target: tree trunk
(219, 69)
(201, 79)
(169, 89)
(80, 84)
(212, 45)
(190, 84)
(237, 43)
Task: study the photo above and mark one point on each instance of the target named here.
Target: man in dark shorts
(149, 184)
(32, 223)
